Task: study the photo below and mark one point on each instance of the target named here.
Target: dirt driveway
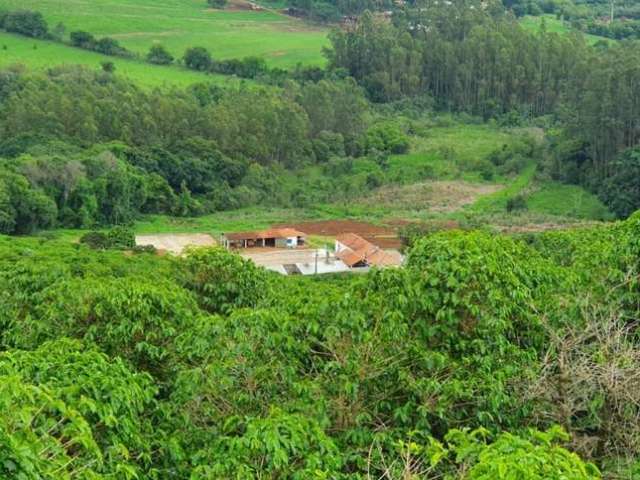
(175, 243)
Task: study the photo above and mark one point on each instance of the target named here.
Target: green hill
(39, 54)
(179, 24)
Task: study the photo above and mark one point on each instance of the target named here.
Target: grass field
(38, 54)
(555, 25)
(448, 152)
(549, 199)
(179, 24)
(568, 200)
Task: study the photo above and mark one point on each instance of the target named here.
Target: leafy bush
(387, 137)
(197, 58)
(517, 203)
(82, 39)
(96, 240)
(134, 319)
(248, 67)
(119, 238)
(98, 403)
(104, 45)
(535, 457)
(280, 445)
(467, 275)
(26, 22)
(145, 249)
(620, 192)
(486, 171)
(109, 46)
(108, 67)
(223, 280)
(23, 209)
(159, 55)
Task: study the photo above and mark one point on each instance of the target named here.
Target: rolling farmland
(234, 32)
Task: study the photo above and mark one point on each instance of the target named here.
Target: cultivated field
(179, 24)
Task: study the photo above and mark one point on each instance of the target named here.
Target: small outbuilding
(276, 238)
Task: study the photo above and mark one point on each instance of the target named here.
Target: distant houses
(285, 250)
(275, 237)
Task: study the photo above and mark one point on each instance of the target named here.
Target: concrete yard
(176, 243)
(303, 259)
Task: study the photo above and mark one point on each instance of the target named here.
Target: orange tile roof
(353, 241)
(360, 250)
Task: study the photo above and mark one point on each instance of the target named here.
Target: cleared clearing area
(176, 243)
(436, 197)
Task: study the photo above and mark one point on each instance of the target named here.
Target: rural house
(357, 252)
(276, 237)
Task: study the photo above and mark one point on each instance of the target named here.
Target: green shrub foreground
(486, 357)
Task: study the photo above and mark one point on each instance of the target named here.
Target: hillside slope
(178, 25)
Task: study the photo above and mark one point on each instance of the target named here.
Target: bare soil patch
(176, 243)
(440, 196)
(382, 236)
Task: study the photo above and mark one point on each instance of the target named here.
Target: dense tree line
(84, 148)
(434, 51)
(617, 30)
(208, 367)
(577, 11)
(104, 45)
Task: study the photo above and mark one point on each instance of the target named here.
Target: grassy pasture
(555, 25)
(447, 152)
(39, 54)
(179, 24)
(544, 201)
(568, 200)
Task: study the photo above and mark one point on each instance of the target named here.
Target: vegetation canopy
(492, 145)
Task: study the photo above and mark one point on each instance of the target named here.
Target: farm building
(276, 237)
(357, 252)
